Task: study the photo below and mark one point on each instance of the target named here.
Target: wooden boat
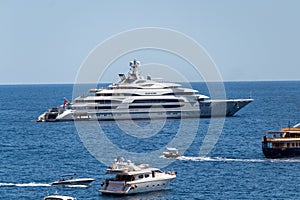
(282, 144)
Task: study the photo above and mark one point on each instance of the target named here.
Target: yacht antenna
(134, 69)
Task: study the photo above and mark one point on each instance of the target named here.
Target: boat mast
(134, 73)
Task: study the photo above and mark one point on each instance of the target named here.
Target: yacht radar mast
(134, 73)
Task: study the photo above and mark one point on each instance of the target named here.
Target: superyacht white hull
(205, 111)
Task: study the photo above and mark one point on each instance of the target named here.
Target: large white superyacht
(136, 97)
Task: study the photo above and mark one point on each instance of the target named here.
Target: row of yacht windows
(120, 177)
(102, 107)
(154, 106)
(97, 101)
(292, 144)
(135, 101)
(130, 107)
(147, 93)
(94, 107)
(116, 94)
(132, 87)
(157, 100)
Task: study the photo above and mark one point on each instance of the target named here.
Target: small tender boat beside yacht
(52, 114)
(171, 153)
(70, 179)
(133, 178)
(282, 144)
(136, 97)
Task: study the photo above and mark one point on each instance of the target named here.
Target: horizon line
(193, 81)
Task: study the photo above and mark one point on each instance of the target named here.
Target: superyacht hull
(217, 106)
(205, 111)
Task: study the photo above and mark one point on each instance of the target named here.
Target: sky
(47, 41)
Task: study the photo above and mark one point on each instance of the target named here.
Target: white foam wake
(221, 159)
(32, 184)
(6, 184)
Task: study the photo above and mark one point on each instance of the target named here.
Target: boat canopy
(172, 149)
(284, 131)
(297, 126)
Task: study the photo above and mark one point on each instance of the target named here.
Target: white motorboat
(171, 153)
(70, 179)
(136, 97)
(133, 178)
(59, 197)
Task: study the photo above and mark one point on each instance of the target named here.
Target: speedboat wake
(32, 184)
(221, 159)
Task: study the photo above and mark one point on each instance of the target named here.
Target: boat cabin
(171, 153)
(134, 175)
(282, 139)
(282, 144)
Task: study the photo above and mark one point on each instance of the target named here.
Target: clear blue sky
(46, 41)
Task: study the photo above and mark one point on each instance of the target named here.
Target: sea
(32, 154)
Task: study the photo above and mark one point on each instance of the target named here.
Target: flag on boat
(65, 102)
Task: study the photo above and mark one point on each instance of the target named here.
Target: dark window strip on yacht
(157, 100)
(169, 94)
(97, 101)
(102, 107)
(153, 106)
(184, 93)
(118, 94)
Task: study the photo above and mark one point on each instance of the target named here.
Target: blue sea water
(34, 154)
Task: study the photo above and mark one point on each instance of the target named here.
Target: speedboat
(70, 179)
(171, 153)
(133, 178)
(59, 197)
(136, 97)
(282, 144)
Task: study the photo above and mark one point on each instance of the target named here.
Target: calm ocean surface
(34, 154)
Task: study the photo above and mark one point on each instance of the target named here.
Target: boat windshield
(120, 177)
(172, 149)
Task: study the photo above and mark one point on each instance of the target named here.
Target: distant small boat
(282, 144)
(171, 153)
(69, 179)
(59, 197)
